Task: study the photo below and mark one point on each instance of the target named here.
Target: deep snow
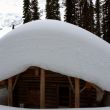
(13, 108)
(4, 31)
(56, 46)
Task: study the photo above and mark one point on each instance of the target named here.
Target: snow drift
(14, 108)
(56, 46)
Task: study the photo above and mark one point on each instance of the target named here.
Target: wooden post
(42, 88)
(10, 92)
(77, 93)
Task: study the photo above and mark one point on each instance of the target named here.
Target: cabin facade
(39, 88)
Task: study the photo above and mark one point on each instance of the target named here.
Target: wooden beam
(77, 93)
(42, 88)
(71, 84)
(99, 93)
(17, 77)
(10, 92)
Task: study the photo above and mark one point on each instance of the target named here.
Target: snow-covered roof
(56, 46)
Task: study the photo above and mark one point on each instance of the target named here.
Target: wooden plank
(10, 92)
(77, 93)
(42, 88)
(36, 72)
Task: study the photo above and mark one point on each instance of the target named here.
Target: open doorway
(64, 96)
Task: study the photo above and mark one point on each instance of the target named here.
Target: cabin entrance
(33, 97)
(29, 90)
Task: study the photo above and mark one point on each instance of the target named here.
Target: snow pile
(56, 46)
(13, 108)
(4, 31)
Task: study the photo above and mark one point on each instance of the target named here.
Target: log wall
(26, 92)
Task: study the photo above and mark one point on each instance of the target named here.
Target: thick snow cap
(56, 46)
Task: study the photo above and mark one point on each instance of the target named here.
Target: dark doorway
(64, 93)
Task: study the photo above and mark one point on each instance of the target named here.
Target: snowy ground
(4, 31)
(13, 108)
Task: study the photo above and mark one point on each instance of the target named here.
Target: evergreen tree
(34, 10)
(87, 15)
(91, 17)
(52, 9)
(26, 11)
(80, 7)
(79, 13)
(106, 21)
(98, 18)
(70, 12)
(104, 24)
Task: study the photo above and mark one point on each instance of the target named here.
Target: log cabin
(53, 67)
(39, 88)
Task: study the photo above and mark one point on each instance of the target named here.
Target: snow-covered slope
(6, 20)
(56, 46)
(4, 31)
